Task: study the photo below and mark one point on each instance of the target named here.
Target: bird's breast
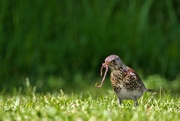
(116, 80)
(117, 76)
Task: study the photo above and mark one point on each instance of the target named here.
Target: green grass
(86, 106)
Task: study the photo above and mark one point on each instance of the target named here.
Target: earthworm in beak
(104, 65)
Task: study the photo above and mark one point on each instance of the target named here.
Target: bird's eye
(113, 61)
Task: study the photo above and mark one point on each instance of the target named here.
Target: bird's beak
(106, 63)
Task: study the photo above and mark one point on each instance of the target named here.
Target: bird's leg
(135, 102)
(120, 101)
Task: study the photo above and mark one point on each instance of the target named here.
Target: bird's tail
(151, 91)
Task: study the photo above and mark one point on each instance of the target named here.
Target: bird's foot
(135, 103)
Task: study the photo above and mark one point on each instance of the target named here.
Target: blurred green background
(62, 43)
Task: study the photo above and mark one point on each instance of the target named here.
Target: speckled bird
(125, 81)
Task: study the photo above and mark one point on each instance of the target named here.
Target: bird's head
(113, 62)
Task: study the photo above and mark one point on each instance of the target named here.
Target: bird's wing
(133, 75)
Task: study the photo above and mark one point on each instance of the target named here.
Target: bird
(125, 82)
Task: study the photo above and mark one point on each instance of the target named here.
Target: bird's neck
(123, 66)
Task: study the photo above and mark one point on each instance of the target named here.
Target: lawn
(84, 106)
(96, 104)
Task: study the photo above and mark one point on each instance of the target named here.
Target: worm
(104, 65)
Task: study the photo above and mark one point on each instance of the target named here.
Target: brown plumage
(125, 81)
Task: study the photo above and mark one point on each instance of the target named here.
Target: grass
(86, 106)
